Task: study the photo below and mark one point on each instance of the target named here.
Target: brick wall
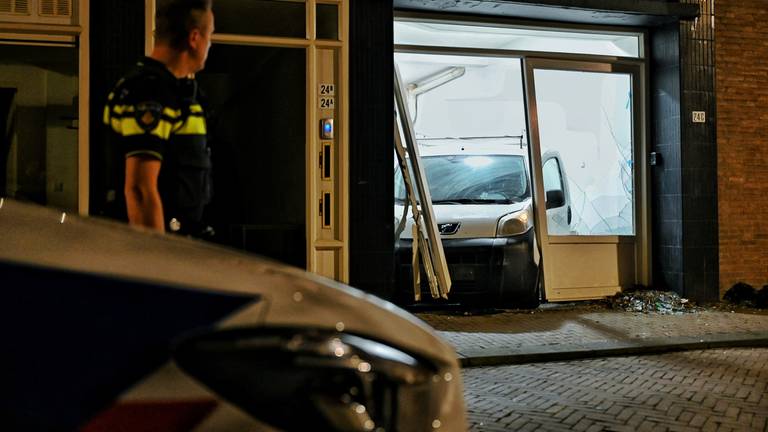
(742, 135)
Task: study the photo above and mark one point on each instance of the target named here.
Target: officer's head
(186, 26)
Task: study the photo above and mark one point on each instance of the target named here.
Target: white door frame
(599, 265)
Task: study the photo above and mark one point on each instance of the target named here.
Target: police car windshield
(473, 179)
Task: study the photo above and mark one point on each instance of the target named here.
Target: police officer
(156, 117)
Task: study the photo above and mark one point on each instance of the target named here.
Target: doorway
(277, 69)
(257, 139)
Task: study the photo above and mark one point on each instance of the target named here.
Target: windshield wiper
(447, 202)
(473, 201)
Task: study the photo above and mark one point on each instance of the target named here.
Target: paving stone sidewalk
(709, 390)
(584, 331)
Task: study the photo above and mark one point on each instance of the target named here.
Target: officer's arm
(141, 195)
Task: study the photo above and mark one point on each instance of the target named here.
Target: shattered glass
(663, 302)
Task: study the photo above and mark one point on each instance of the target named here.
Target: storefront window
(587, 119)
(327, 21)
(38, 124)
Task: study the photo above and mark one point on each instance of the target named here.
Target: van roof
(473, 146)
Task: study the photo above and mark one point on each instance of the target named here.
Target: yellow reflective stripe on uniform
(172, 113)
(128, 126)
(193, 126)
(120, 109)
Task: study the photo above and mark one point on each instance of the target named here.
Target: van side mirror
(555, 198)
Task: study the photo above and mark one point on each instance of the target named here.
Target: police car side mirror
(555, 198)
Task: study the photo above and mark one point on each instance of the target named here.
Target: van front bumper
(487, 271)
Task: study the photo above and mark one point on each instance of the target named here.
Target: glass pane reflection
(38, 124)
(279, 18)
(586, 118)
(327, 21)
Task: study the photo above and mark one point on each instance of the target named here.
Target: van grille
(471, 270)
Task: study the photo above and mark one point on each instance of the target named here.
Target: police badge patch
(148, 115)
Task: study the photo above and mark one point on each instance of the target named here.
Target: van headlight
(515, 223)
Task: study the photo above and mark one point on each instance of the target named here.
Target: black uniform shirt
(153, 113)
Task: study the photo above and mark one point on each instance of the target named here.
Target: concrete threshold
(645, 346)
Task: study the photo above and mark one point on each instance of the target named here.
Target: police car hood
(474, 220)
(90, 337)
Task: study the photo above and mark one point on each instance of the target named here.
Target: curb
(542, 354)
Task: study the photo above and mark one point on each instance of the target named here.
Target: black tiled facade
(666, 185)
(684, 184)
(371, 172)
(699, 156)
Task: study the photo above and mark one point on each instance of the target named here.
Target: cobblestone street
(723, 390)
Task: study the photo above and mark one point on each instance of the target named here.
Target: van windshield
(472, 179)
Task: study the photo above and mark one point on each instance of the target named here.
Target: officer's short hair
(175, 19)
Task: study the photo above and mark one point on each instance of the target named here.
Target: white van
(482, 198)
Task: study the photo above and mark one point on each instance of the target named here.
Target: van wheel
(527, 294)
(518, 301)
(531, 302)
